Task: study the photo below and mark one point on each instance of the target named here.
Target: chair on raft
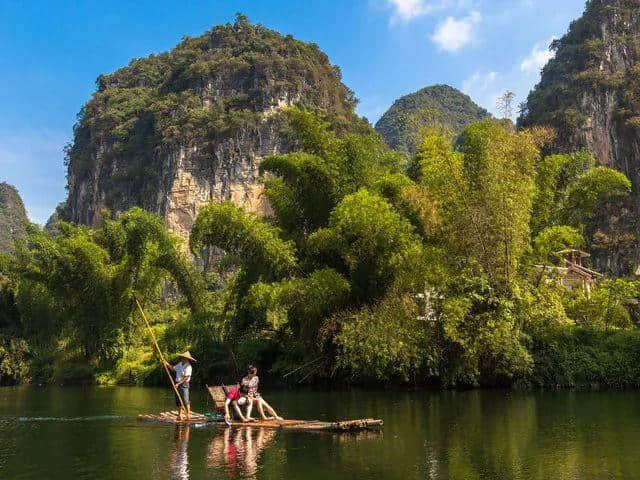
(219, 395)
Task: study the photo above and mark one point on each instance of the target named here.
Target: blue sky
(51, 53)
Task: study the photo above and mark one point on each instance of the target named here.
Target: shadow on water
(235, 452)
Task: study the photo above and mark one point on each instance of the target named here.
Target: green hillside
(436, 105)
(13, 217)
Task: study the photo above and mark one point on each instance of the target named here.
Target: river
(91, 433)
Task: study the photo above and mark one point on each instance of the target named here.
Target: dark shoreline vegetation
(363, 274)
(372, 267)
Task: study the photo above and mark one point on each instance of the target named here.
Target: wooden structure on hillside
(577, 275)
(573, 274)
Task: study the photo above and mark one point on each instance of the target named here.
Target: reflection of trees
(179, 454)
(238, 449)
(529, 436)
(485, 435)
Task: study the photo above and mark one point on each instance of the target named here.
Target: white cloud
(408, 9)
(537, 58)
(453, 34)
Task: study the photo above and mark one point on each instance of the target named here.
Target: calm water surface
(91, 433)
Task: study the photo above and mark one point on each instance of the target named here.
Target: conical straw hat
(188, 356)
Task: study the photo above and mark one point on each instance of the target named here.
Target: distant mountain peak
(433, 105)
(13, 217)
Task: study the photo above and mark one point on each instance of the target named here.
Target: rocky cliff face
(181, 183)
(590, 91)
(175, 131)
(590, 94)
(440, 105)
(13, 217)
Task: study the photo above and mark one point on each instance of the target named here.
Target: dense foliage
(597, 201)
(71, 296)
(362, 273)
(588, 93)
(438, 105)
(431, 278)
(13, 217)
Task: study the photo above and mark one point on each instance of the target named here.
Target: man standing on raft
(182, 372)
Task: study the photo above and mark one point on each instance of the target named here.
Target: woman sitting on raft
(251, 382)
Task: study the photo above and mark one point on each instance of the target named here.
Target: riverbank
(571, 357)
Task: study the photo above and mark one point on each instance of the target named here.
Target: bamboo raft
(172, 417)
(308, 425)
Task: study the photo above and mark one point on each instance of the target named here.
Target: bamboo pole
(164, 363)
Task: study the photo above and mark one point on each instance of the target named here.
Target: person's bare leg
(249, 408)
(179, 414)
(270, 409)
(188, 407)
(238, 411)
(260, 409)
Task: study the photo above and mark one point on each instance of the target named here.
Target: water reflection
(180, 454)
(238, 450)
(488, 435)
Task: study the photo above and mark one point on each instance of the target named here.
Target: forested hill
(173, 131)
(439, 104)
(13, 217)
(590, 94)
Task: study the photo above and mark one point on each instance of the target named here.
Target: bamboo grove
(371, 268)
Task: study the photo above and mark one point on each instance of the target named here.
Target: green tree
(609, 305)
(89, 277)
(303, 193)
(554, 174)
(304, 187)
(591, 190)
(369, 238)
(251, 243)
(483, 194)
(552, 240)
(386, 341)
(293, 312)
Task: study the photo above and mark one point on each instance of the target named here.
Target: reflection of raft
(310, 425)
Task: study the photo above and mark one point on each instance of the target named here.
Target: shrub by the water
(577, 356)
